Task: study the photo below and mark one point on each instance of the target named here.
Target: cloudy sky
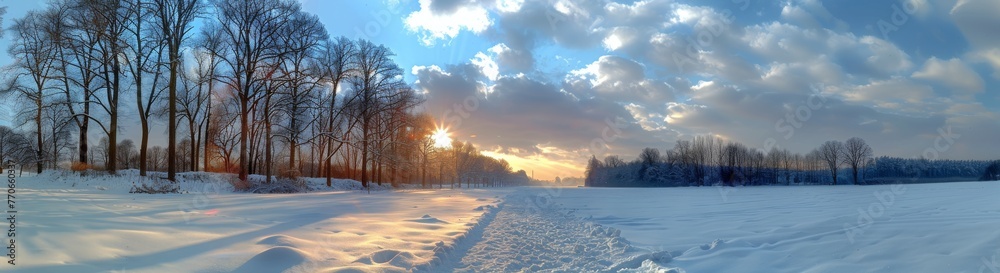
(545, 84)
(548, 83)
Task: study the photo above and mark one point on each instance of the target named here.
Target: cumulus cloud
(978, 20)
(443, 19)
(539, 112)
(863, 55)
(811, 14)
(954, 74)
(517, 60)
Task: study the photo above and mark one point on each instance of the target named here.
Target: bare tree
(15, 146)
(3, 11)
(174, 22)
(335, 62)
(146, 50)
(856, 154)
(6, 135)
(377, 79)
(423, 130)
(58, 121)
(649, 156)
(157, 157)
(613, 161)
(35, 53)
(832, 153)
(207, 56)
(126, 154)
(80, 61)
(105, 20)
(225, 136)
(250, 31)
(300, 39)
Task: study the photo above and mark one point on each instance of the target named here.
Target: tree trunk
(855, 171)
(113, 128)
(244, 129)
(267, 141)
(172, 115)
(38, 135)
(208, 121)
(194, 146)
(292, 140)
(143, 148)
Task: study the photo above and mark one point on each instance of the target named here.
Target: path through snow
(525, 235)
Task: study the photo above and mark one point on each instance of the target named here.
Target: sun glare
(441, 138)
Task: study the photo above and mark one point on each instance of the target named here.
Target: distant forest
(711, 161)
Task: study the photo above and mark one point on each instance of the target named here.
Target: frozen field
(92, 225)
(913, 228)
(97, 226)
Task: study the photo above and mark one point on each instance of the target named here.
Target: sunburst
(441, 137)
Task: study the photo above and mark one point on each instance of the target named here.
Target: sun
(441, 138)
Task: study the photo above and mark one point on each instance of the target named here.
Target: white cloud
(509, 5)
(611, 69)
(620, 37)
(954, 74)
(977, 19)
(896, 95)
(648, 120)
(991, 57)
(865, 56)
(811, 14)
(434, 24)
(508, 58)
(486, 64)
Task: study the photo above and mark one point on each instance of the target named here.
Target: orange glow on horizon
(544, 168)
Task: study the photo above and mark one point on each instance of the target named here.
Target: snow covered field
(81, 224)
(949, 227)
(96, 226)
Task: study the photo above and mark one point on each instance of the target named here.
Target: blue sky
(553, 82)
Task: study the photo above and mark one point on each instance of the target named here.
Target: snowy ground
(913, 228)
(89, 225)
(84, 224)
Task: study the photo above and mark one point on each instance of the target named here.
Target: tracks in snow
(521, 235)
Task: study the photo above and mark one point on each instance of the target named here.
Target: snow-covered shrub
(240, 185)
(154, 186)
(279, 185)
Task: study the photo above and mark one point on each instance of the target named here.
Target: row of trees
(886, 169)
(76, 59)
(260, 88)
(708, 160)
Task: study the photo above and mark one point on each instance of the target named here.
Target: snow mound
(715, 244)
(639, 262)
(283, 240)
(427, 219)
(648, 266)
(447, 253)
(393, 257)
(275, 259)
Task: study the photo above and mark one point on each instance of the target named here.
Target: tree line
(709, 160)
(259, 88)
